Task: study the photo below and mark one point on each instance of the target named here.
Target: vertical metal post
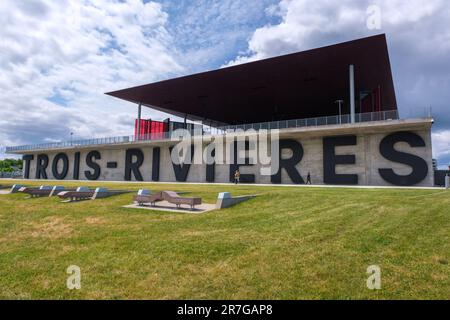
(352, 93)
(139, 121)
(340, 113)
(340, 102)
(447, 182)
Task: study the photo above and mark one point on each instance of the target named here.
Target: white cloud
(57, 58)
(209, 32)
(418, 39)
(441, 147)
(309, 23)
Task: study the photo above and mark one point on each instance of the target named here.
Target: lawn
(288, 243)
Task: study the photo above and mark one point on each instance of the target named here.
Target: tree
(10, 165)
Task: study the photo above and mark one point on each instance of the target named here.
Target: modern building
(334, 109)
(435, 164)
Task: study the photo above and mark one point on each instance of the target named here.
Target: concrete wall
(367, 154)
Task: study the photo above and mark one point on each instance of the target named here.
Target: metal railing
(11, 175)
(315, 122)
(283, 124)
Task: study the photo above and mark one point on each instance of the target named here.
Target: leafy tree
(10, 165)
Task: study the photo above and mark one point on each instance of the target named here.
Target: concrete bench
(57, 190)
(225, 200)
(15, 188)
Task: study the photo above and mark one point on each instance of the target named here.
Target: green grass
(288, 243)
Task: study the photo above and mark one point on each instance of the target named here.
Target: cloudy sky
(57, 58)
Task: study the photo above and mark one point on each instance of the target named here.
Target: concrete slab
(169, 207)
(225, 200)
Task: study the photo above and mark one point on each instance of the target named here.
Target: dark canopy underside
(294, 86)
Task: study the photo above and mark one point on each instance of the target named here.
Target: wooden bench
(76, 195)
(43, 191)
(26, 189)
(37, 193)
(169, 196)
(31, 191)
(152, 199)
(174, 198)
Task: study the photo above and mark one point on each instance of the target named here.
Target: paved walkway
(24, 181)
(166, 206)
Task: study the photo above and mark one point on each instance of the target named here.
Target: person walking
(308, 178)
(237, 176)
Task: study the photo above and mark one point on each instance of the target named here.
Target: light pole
(139, 121)
(339, 103)
(352, 94)
(71, 138)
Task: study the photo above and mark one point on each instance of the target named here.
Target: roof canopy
(295, 86)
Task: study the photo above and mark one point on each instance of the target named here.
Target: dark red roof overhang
(294, 86)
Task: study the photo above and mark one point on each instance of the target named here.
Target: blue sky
(57, 58)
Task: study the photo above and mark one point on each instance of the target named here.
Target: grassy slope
(289, 243)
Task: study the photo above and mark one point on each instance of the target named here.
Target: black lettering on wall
(41, 166)
(419, 166)
(155, 163)
(331, 160)
(93, 165)
(133, 166)
(290, 164)
(182, 170)
(26, 170)
(76, 166)
(65, 161)
(211, 169)
(248, 178)
(111, 165)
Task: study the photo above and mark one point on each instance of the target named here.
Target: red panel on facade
(150, 129)
(372, 102)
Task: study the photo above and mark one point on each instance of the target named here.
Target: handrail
(283, 124)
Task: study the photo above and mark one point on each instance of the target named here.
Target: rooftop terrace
(342, 120)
